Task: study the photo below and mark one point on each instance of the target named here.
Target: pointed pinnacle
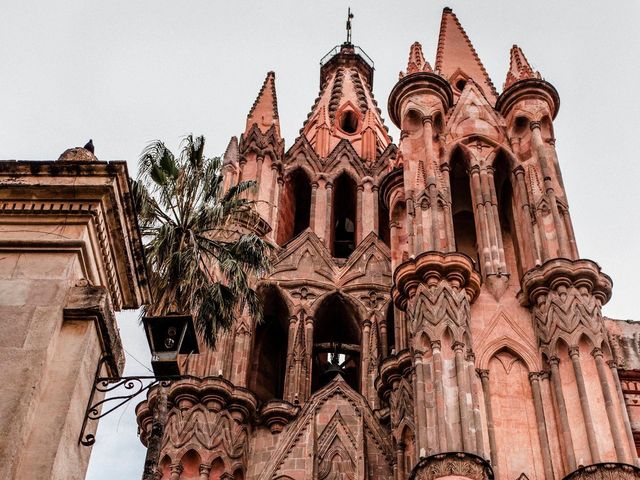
(417, 63)
(264, 111)
(519, 67)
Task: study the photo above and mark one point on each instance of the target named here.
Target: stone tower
(428, 314)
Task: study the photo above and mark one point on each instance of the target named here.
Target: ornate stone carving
(463, 465)
(401, 404)
(437, 306)
(605, 471)
(436, 290)
(567, 298)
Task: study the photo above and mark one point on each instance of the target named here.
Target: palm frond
(199, 260)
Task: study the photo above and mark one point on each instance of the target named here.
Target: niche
(464, 226)
(336, 343)
(504, 194)
(270, 346)
(295, 206)
(344, 216)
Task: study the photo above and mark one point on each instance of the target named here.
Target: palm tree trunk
(154, 443)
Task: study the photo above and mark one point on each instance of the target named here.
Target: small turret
(261, 149)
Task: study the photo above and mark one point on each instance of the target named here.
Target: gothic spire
(519, 68)
(264, 111)
(231, 154)
(416, 63)
(345, 108)
(457, 60)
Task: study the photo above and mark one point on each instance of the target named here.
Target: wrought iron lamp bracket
(132, 387)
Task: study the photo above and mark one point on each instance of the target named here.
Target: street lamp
(168, 337)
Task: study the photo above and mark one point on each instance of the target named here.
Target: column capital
(204, 469)
(176, 468)
(457, 347)
(574, 351)
(534, 376)
(597, 352)
(554, 360)
(482, 373)
(436, 345)
(534, 125)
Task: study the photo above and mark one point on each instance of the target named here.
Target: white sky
(127, 72)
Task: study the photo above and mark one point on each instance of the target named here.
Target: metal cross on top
(349, 17)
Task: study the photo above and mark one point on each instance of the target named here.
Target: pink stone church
(428, 315)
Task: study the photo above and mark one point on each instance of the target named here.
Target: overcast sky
(127, 72)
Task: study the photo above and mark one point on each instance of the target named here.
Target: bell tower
(511, 372)
(428, 315)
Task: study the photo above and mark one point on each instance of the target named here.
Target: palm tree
(199, 261)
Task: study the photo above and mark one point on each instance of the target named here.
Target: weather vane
(349, 17)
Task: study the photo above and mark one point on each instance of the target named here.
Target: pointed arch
(269, 355)
(507, 210)
(514, 418)
(190, 462)
(337, 337)
(462, 211)
(344, 215)
(295, 205)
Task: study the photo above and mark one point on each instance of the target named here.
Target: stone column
(204, 471)
(423, 285)
(566, 298)
(534, 379)
(70, 256)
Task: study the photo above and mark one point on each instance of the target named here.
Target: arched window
(344, 216)
(295, 206)
(464, 226)
(504, 194)
(336, 343)
(270, 347)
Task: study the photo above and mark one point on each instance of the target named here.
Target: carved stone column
(436, 290)
(566, 298)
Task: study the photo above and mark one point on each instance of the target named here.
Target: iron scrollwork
(131, 386)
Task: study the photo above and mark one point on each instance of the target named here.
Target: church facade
(428, 314)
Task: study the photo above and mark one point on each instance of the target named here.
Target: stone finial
(77, 154)
(519, 68)
(417, 63)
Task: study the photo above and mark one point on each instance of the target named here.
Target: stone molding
(214, 393)
(96, 195)
(431, 268)
(276, 414)
(419, 82)
(530, 87)
(605, 471)
(566, 297)
(464, 465)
